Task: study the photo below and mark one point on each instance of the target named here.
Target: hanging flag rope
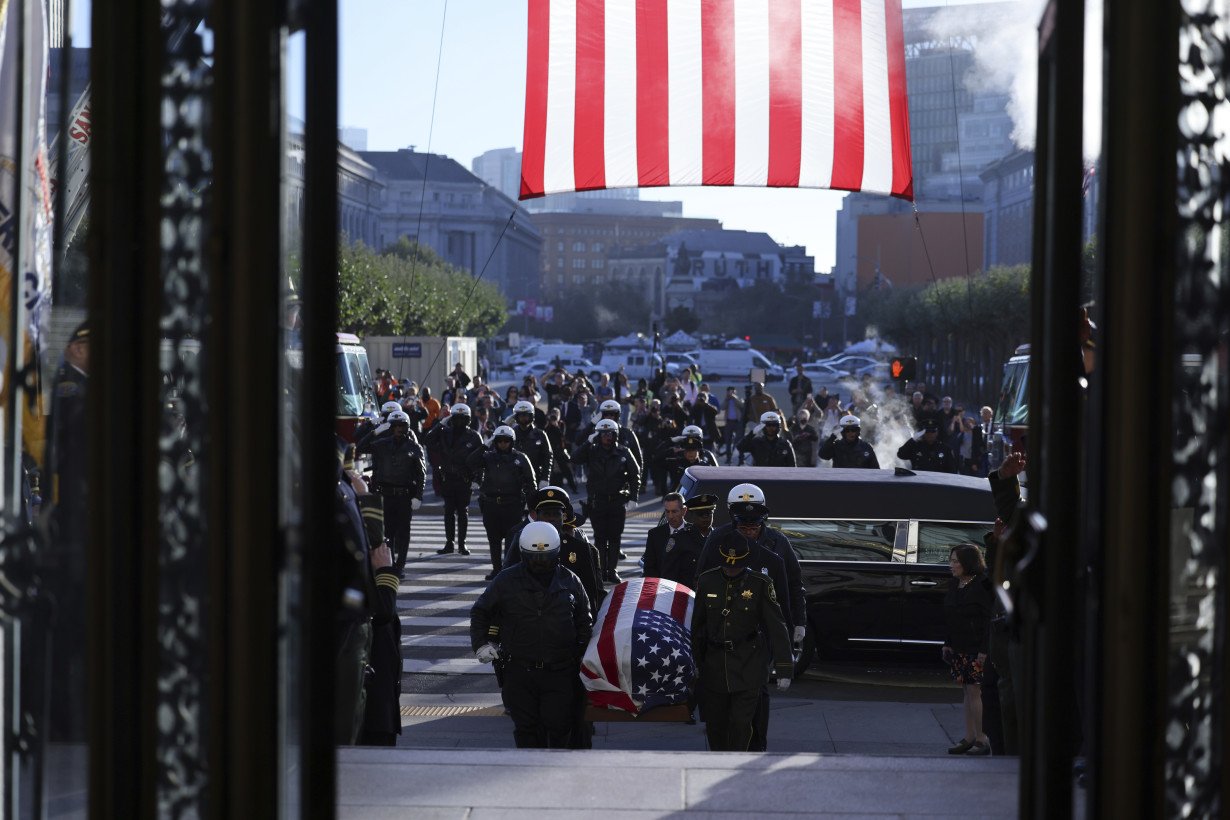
(764, 93)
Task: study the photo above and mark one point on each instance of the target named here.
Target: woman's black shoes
(979, 749)
(961, 748)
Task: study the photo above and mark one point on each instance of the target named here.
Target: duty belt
(730, 645)
(607, 497)
(550, 666)
(502, 499)
(393, 489)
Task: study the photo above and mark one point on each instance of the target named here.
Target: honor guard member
(382, 713)
(766, 444)
(398, 475)
(449, 447)
(576, 553)
(672, 548)
(612, 481)
(533, 441)
(610, 409)
(772, 556)
(511, 538)
(928, 452)
(737, 630)
(684, 451)
(845, 449)
(534, 617)
(700, 513)
(506, 483)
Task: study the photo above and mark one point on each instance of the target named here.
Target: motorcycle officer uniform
(845, 449)
(532, 441)
(449, 447)
(506, 481)
(398, 475)
(766, 445)
(612, 481)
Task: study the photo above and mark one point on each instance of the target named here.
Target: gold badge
(550, 493)
(572, 557)
(747, 595)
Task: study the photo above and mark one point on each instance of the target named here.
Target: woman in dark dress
(967, 612)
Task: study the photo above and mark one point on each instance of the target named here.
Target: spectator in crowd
(969, 446)
(805, 439)
(967, 613)
(460, 377)
(732, 420)
(758, 403)
(432, 406)
(800, 388)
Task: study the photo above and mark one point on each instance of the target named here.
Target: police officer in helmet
(613, 482)
(506, 483)
(534, 618)
(766, 445)
(398, 475)
(610, 409)
(849, 450)
(684, 451)
(577, 554)
(449, 447)
(532, 441)
(928, 452)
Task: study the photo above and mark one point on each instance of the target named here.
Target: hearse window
(686, 485)
(937, 538)
(840, 540)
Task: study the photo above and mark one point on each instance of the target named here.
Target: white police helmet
(849, 423)
(692, 431)
(609, 406)
(459, 410)
(389, 407)
(523, 407)
(746, 504)
(504, 431)
(770, 418)
(607, 426)
(745, 494)
(398, 417)
(539, 538)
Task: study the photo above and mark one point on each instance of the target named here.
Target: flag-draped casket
(640, 655)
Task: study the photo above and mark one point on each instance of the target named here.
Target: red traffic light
(747, 338)
(903, 368)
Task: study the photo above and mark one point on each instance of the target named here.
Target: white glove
(800, 632)
(381, 428)
(757, 430)
(487, 653)
(593, 437)
(782, 683)
(630, 506)
(415, 503)
(542, 485)
(475, 485)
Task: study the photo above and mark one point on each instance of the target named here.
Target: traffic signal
(903, 368)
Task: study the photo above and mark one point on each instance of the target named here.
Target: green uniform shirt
(735, 623)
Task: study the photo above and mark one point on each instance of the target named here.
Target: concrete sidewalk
(381, 784)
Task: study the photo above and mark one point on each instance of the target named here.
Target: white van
(637, 364)
(547, 353)
(735, 365)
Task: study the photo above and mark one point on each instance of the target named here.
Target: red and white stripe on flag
(767, 93)
(606, 668)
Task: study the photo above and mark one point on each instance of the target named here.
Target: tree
(589, 313)
(681, 318)
(413, 292)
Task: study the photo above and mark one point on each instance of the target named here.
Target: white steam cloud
(1006, 61)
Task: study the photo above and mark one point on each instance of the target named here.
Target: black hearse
(873, 545)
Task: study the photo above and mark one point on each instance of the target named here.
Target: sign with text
(407, 350)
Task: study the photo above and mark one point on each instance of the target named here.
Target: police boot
(462, 525)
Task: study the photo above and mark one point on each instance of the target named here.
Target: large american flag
(777, 93)
(641, 653)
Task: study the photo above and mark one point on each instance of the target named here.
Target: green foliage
(681, 318)
(962, 329)
(411, 291)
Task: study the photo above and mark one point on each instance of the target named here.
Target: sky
(389, 54)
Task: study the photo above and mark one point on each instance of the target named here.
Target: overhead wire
(956, 121)
(418, 227)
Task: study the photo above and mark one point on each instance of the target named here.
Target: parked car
(821, 373)
(735, 365)
(850, 361)
(676, 363)
(873, 546)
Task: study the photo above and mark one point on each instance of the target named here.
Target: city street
(450, 700)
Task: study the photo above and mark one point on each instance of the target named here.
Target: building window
(559, 246)
(578, 247)
(578, 264)
(596, 247)
(559, 262)
(597, 264)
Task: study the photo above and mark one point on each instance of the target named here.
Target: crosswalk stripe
(439, 590)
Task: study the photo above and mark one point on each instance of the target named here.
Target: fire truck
(356, 391)
(1012, 411)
